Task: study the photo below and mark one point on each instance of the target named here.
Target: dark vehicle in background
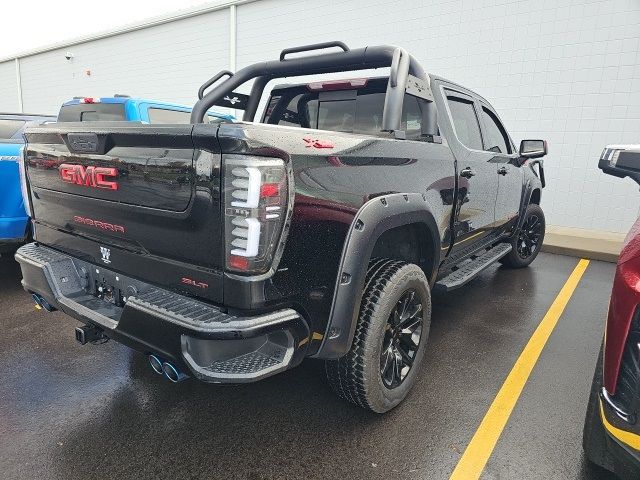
(611, 436)
(232, 251)
(14, 221)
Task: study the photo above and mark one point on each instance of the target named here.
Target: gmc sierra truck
(230, 252)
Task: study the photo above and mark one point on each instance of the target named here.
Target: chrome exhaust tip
(156, 364)
(172, 373)
(41, 302)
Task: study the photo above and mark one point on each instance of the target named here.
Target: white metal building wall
(8, 87)
(564, 70)
(167, 62)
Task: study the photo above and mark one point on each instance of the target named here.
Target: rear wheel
(527, 241)
(390, 337)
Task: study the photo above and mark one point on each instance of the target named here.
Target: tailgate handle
(84, 142)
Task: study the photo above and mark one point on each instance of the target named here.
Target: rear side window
(350, 111)
(8, 128)
(497, 140)
(92, 112)
(162, 115)
(465, 122)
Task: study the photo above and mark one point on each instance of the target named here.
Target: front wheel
(527, 241)
(390, 337)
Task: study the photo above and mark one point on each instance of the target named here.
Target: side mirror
(621, 161)
(533, 148)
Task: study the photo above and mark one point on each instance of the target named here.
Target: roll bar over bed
(406, 76)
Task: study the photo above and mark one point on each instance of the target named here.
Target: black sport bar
(401, 63)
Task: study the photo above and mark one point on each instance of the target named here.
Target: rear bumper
(211, 344)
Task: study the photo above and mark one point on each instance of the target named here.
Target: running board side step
(469, 269)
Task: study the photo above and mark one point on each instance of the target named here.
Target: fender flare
(528, 186)
(373, 219)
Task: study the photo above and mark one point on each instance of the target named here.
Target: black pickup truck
(230, 252)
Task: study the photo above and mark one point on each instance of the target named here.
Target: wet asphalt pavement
(81, 412)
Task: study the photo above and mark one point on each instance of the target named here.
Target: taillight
(22, 158)
(256, 196)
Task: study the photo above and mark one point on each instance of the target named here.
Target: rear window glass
(92, 112)
(8, 128)
(356, 112)
(162, 115)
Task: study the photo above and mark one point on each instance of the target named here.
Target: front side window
(497, 140)
(465, 122)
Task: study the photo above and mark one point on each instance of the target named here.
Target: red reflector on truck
(269, 190)
(239, 263)
(338, 84)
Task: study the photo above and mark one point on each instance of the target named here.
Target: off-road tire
(514, 259)
(356, 377)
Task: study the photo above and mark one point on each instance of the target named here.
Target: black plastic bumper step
(470, 269)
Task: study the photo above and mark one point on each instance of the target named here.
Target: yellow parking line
(479, 450)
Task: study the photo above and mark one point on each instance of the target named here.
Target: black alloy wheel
(529, 237)
(390, 337)
(527, 242)
(401, 339)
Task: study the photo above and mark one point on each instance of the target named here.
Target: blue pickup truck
(123, 107)
(13, 217)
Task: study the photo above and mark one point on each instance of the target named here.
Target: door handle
(503, 170)
(467, 172)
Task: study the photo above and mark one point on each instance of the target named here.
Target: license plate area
(107, 286)
(108, 293)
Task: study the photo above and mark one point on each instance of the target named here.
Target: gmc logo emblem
(90, 176)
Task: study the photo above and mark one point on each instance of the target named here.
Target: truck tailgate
(131, 187)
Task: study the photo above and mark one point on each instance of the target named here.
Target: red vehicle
(611, 437)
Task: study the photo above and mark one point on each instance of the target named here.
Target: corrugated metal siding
(168, 62)
(8, 87)
(565, 71)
